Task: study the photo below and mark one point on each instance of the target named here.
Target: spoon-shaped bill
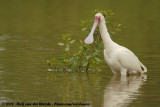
(90, 38)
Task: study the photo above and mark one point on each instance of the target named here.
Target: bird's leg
(123, 72)
(124, 79)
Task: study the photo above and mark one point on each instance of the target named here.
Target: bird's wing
(127, 59)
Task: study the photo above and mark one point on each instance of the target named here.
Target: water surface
(30, 30)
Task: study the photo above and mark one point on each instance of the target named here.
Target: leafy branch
(88, 56)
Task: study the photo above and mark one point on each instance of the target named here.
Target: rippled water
(30, 30)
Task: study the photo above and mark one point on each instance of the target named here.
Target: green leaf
(118, 25)
(61, 44)
(88, 57)
(84, 63)
(84, 29)
(80, 47)
(61, 58)
(48, 61)
(67, 47)
(108, 23)
(97, 59)
(54, 59)
(96, 50)
(71, 59)
(66, 61)
(100, 46)
(72, 41)
(95, 53)
(69, 39)
(118, 29)
(64, 37)
(113, 33)
(74, 63)
(81, 41)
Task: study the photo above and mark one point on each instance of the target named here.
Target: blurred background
(31, 29)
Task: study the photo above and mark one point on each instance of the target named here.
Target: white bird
(120, 59)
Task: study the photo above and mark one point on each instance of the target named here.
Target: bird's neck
(107, 41)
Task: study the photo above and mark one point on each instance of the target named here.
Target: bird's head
(98, 19)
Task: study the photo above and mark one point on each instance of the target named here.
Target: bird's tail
(144, 69)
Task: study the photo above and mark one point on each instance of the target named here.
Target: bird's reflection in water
(122, 90)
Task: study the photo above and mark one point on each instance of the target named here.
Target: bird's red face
(90, 38)
(98, 18)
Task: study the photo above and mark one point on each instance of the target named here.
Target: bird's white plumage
(120, 59)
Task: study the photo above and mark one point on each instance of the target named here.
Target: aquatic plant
(88, 56)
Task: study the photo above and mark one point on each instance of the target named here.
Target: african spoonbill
(120, 59)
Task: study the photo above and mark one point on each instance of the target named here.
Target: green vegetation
(88, 56)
